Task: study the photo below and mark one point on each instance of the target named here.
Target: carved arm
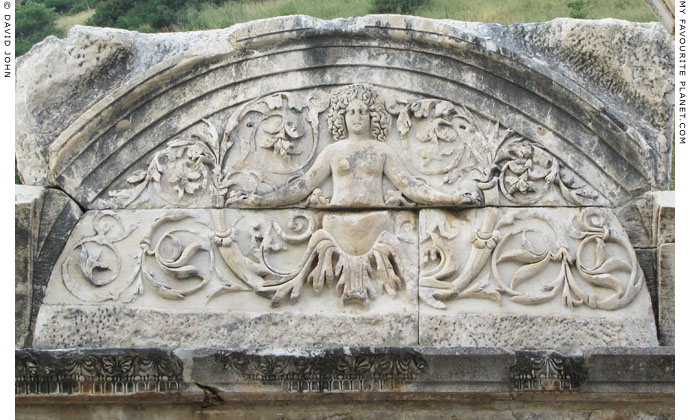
(294, 191)
(419, 191)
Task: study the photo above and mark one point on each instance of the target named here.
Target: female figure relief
(356, 251)
(358, 160)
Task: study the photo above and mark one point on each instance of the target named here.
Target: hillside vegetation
(36, 19)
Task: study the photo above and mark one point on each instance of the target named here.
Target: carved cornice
(97, 372)
(402, 370)
(547, 371)
(329, 372)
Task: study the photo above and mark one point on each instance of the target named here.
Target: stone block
(648, 261)
(620, 369)
(664, 217)
(637, 218)
(233, 278)
(487, 377)
(24, 224)
(667, 290)
(531, 279)
(44, 219)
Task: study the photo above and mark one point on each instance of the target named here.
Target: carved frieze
(539, 240)
(547, 371)
(97, 372)
(356, 146)
(580, 257)
(183, 254)
(560, 278)
(528, 256)
(429, 182)
(360, 372)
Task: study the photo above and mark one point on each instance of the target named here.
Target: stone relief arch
(492, 83)
(379, 170)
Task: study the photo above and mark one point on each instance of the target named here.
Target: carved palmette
(97, 372)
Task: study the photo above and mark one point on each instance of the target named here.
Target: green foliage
(82, 5)
(36, 19)
(578, 9)
(401, 7)
(149, 15)
(34, 22)
(67, 21)
(525, 11)
(59, 6)
(209, 16)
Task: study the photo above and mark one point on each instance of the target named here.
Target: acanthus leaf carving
(528, 256)
(440, 141)
(547, 371)
(174, 246)
(325, 263)
(442, 134)
(529, 252)
(183, 171)
(438, 138)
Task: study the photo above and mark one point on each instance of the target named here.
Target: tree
(34, 22)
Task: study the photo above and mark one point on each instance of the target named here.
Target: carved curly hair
(341, 99)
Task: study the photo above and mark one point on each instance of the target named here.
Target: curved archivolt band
(417, 57)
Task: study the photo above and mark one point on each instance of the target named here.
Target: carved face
(357, 119)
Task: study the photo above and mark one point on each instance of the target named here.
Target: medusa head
(346, 96)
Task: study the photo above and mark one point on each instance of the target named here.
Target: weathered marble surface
(44, 218)
(664, 217)
(531, 278)
(637, 218)
(523, 278)
(349, 383)
(665, 237)
(655, 408)
(667, 294)
(23, 256)
(408, 370)
(385, 180)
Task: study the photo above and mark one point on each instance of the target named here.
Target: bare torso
(357, 172)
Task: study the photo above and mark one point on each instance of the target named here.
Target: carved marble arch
(463, 118)
(395, 180)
